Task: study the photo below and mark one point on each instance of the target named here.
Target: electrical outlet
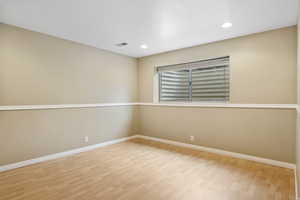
(86, 138)
(192, 138)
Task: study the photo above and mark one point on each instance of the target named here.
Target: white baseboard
(91, 147)
(223, 152)
(62, 154)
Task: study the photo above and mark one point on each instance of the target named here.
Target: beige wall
(39, 69)
(262, 66)
(34, 133)
(263, 71)
(267, 133)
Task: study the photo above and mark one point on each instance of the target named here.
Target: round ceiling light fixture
(144, 46)
(227, 25)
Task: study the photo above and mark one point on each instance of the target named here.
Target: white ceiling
(163, 25)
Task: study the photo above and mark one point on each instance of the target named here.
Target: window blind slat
(175, 87)
(211, 82)
(210, 70)
(203, 79)
(218, 86)
(195, 91)
(175, 99)
(175, 91)
(175, 79)
(194, 76)
(175, 83)
(174, 76)
(209, 99)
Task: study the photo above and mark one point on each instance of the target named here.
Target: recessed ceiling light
(144, 46)
(227, 25)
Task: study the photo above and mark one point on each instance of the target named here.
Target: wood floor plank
(146, 170)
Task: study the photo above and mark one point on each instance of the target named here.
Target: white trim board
(200, 105)
(223, 152)
(62, 106)
(62, 154)
(224, 105)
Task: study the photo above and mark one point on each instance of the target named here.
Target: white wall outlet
(192, 138)
(86, 138)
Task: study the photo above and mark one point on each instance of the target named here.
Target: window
(206, 80)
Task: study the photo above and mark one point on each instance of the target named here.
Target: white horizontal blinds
(174, 85)
(206, 80)
(210, 84)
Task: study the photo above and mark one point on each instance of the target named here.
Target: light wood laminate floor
(146, 170)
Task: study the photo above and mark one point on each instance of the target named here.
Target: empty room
(149, 100)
